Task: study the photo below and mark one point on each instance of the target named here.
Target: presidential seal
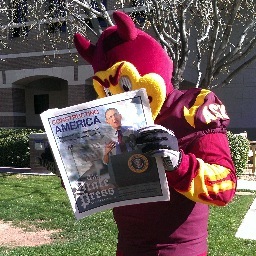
(138, 163)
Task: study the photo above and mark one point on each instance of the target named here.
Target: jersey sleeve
(206, 173)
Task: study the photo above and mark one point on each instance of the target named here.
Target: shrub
(239, 146)
(14, 147)
(15, 151)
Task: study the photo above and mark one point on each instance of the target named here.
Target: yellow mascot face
(123, 76)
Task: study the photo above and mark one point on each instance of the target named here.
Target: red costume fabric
(206, 175)
(179, 227)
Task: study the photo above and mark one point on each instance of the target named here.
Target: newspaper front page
(81, 137)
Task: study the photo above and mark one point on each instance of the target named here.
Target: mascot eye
(125, 83)
(107, 91)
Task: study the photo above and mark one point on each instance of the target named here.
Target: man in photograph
(122, 139)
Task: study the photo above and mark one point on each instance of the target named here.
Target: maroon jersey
(206, 176)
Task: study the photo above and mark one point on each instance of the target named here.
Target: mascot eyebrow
(112, 79)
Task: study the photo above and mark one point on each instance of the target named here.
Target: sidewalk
(246, 184)
(25, 171)
(247, 229)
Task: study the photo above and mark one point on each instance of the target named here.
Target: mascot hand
(155, 141)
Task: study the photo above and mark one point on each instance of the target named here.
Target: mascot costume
(189, 134)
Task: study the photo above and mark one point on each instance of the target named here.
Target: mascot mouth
(123, 77)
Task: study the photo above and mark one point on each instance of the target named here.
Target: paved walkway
(24, 171)
(247, 229)
(246, 184)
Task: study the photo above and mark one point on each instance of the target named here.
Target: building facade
(36, 74)
(239, 98)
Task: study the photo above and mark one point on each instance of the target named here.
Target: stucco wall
(240, 100)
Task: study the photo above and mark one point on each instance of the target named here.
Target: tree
(216, 37)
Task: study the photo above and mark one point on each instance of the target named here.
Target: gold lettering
(189, 114)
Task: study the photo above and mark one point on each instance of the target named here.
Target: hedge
(239, 147)
(14, 147)
(15, 151)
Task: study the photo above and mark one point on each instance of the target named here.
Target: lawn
(41, 202)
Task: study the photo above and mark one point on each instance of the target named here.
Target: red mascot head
(126, 58)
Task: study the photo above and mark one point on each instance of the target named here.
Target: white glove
(155, 141)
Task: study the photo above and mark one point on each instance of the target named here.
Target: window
(139, 16)
(41, 103)
(57, 10)
(101, 21)
(20, 15)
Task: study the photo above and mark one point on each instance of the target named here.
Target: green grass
(223, 225)
(40, 201)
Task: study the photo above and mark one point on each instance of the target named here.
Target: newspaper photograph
(101, 165)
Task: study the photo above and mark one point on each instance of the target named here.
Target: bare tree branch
(236, 72)
(239, 56)
(227, 33)
(215, 36)
(211, 46)
(82, 21)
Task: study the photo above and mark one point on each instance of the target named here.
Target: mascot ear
(125, 26)
(84, 47)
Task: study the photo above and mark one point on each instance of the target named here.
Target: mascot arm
(207, 175)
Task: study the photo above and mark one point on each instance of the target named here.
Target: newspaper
(78, 136)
